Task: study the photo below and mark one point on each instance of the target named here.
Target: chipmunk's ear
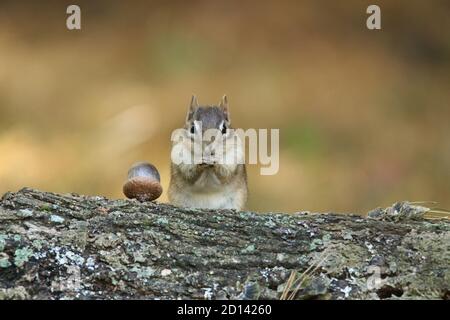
(224, 106)
(192, 107)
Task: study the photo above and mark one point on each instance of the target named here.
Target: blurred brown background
(363, 115)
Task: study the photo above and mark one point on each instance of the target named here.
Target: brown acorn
(143, 182)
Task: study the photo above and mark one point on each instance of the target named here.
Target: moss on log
(55, 246)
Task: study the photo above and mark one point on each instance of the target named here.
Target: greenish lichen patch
(4, 260)
(249, 249)
(22, 255)
(315, 243)
(2, 242)
(38, 244)
(46, 207)
(347, 236)
(162, 221)
(269, 223)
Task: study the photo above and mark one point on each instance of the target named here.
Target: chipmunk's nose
(209, 149)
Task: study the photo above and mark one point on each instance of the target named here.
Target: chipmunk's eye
(224, 129)
(192, 129)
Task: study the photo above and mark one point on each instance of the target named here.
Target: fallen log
(67, 246)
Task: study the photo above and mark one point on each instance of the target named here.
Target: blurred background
(363, 115)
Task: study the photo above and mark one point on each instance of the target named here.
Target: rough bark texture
(68, 246)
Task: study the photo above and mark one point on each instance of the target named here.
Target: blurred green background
(363, 115)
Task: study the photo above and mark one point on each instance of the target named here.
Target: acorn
(143, 182)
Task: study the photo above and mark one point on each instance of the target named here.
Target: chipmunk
(218, 180)
(209, 184)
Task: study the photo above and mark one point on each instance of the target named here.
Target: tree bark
(55, 246)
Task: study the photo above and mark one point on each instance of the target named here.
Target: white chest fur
(209, 192)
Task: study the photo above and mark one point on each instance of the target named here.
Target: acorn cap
(142, 188)
(143, 182)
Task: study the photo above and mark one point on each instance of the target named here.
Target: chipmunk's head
(199, 119)
(206, 131)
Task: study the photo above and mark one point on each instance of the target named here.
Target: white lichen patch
(346, 291)
(90, 263)
(370, 247)
(56, 219)
(25, 213)
(64, 257)
(166, 272)
(40, 255)
(76, 258)
(208, 293)
(144, 272)
(281, 257)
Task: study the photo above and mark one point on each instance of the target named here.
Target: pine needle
(288, 284)
(423, 202)
(305, 276)
(297, 283)
(437, 214)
